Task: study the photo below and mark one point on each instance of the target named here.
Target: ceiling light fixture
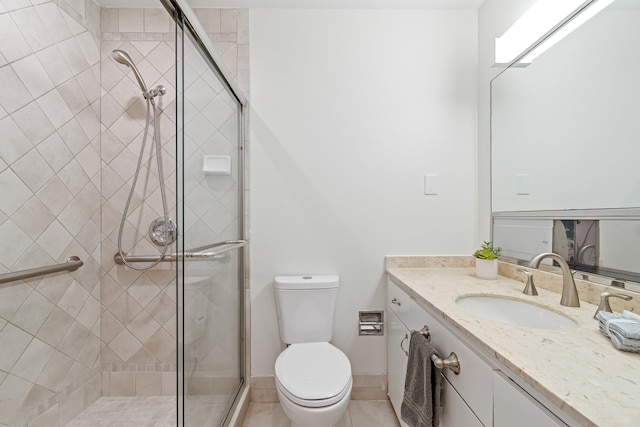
(538, 21)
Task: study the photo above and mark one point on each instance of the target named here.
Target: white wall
(349, 110)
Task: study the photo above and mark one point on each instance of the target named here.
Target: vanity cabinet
(403, 316)
(481, 395)
(456, 412)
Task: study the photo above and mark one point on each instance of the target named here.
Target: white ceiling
(307, 4)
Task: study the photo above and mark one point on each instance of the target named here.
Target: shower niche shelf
(216, 165)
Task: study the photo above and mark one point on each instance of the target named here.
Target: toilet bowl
(313, 377)
(313, 381)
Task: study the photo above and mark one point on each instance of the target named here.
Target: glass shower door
(210, 276)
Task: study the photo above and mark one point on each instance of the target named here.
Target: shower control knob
(163, 232)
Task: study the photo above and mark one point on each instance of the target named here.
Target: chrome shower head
(123, 57)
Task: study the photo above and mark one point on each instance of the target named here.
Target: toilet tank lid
(307, 282)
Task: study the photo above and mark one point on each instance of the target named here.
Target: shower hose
(151, 107)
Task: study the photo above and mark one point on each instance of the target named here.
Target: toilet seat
(319, 403)
(313, 374)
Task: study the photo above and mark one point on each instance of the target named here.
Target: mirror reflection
(565, 143)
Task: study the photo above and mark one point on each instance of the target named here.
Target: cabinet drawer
(398, 301)
(475, 382)
(410, 313)
(514, 406)
(456, 413)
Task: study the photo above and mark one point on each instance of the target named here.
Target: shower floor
(152, 411)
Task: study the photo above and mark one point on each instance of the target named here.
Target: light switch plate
(431, 185)
(522, 184)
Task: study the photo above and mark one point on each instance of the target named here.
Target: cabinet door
(396, 360)
(474, 382)
(456, 412)
(512, 406)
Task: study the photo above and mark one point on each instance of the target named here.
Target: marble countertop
(578, 369)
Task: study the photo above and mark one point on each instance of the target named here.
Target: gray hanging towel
(421, 402)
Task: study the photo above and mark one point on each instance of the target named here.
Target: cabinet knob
(396, 301)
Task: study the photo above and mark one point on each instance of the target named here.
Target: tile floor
(361, 413)
(152, 411)
(160, 412)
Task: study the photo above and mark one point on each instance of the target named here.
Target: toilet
(313, 378)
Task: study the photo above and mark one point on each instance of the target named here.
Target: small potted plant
(487, 261)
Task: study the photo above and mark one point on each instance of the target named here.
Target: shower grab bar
(194, 253)
(72, 264)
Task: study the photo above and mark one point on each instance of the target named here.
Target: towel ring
(406, 337)
(425, 333)
(452, 362)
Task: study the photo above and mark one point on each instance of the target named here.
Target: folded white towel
(604, 317)
(621, 330)
(628, 328)
(630, 315)
(624, 344)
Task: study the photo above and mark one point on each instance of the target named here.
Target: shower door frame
(186, 20)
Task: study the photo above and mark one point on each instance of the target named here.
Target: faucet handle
(604, 302)
(529, 288)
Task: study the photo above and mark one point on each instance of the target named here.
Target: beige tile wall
(50, 186)
(51, 170)
(138, 317)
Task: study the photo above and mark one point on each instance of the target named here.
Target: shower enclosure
(211, 259)
(90, 331)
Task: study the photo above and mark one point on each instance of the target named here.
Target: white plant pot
(487, 268)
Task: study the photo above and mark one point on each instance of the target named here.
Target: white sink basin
(514, 312)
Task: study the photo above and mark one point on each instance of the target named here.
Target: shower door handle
(193, 254)
(236, 243)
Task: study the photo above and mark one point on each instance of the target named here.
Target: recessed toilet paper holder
(371, 322)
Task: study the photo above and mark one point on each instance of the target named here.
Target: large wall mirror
(566, 149)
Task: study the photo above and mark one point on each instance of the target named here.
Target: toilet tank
(305, 306)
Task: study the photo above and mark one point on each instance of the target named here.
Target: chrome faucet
(569, 291)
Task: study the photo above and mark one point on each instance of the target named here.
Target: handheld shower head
(123, 57)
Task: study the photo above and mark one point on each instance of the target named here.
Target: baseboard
(263, 390)
(365, 387)
(369, 387)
